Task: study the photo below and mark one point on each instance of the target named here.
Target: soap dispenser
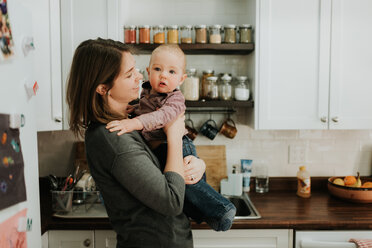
(236, 182)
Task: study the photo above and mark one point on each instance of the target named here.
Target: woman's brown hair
(95, 62)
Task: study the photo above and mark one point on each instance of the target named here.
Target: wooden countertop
(280, 208)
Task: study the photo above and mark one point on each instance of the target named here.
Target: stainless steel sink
(244, 207)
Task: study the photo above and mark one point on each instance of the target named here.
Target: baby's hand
(124, 126)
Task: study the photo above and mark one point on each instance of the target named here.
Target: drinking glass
(262, 178)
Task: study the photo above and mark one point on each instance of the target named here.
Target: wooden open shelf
(237, 49)
(220, 104)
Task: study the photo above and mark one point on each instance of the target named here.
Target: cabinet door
(351, 65)
(105, 239)
(292, 42)
(82, 20)
(264, 238)
(71, 239)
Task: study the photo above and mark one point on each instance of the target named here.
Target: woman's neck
(117, 107)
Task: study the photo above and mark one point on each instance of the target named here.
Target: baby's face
(166, 71)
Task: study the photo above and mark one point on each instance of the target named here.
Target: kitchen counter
(280, 208)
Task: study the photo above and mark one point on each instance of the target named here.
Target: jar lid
(186, 26)
(245, 26)
(215, 26)
(226, 77)
(144, 26)
(201, 26)
(212, 78)
(130, 27)
(159, 26)
(241, 78)
(208, 71)
(230, 26)
(173, 27)
(190, 71)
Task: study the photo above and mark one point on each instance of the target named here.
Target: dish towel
(362, 243)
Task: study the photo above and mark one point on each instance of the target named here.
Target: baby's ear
(184, 76)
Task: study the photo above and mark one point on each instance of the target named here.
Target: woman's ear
(101, 89)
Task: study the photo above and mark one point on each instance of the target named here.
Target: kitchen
(298, 55)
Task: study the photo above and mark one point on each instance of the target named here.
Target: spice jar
(190, 87)
(241, 89)
(215, 34)
(186, 36)
(211, 88)
(225, 88)
(130, 34)
(159, 34)
(172, 34)
(144, 34)
(201, 34)
(230, 33)
(206, 73)
(245, 33)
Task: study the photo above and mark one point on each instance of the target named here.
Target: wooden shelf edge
(227, 104)
(238, 48)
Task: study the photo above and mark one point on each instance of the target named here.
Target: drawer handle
(87, 243)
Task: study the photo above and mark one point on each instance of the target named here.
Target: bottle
(241, 89)
(303, 183)
(159, 34)
(144, 34)
(201, 34)
(215, 34)
(172, 34)
(225, 88)
(190, 87)
(204, 90)
(186, 36)
(130, 34)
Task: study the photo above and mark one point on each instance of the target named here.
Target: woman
(144, 205)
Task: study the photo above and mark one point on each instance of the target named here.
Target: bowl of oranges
(351, 188)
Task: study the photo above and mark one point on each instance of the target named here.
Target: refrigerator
(19, 176)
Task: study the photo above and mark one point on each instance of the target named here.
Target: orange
(367, 185)
(350, 180)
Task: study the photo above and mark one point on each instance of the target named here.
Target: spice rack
(224, 48)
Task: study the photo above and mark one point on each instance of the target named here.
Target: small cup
(228, 128)
(262, 178)
(192, 133)
(209, 130)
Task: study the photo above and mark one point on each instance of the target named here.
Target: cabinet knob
(87, 243)
(58, 119)
(335, 119)
(323, 119)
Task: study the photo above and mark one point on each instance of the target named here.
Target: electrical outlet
(297, 154)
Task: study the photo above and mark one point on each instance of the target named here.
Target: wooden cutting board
(215, 159)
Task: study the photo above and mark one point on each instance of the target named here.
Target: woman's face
(126, 85)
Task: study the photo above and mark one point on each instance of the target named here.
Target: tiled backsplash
(327, 153)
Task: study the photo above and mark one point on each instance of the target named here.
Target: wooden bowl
(360, 195)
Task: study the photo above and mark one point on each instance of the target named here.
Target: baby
(160, 103)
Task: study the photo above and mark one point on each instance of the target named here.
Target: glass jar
(215, 34)
(144, 34)
(130, 34)
(211, 88)
(206, 73)
(245, 33)
(159, 34)
(201, 34)
(190, 87)
(225, 88)
(241, 89)
(230, 33)
(172, 34)
(186, 34)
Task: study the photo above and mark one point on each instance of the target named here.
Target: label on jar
(241, 94)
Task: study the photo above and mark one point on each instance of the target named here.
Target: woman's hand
(194, 169)
(176, 128)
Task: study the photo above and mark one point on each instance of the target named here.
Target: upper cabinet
(313, 61)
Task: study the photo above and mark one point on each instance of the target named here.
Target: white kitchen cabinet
(105, 239)
(71, 239)
(312, 64)
(329, 239)
(244, 238)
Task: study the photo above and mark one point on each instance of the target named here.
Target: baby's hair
(172, 48)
